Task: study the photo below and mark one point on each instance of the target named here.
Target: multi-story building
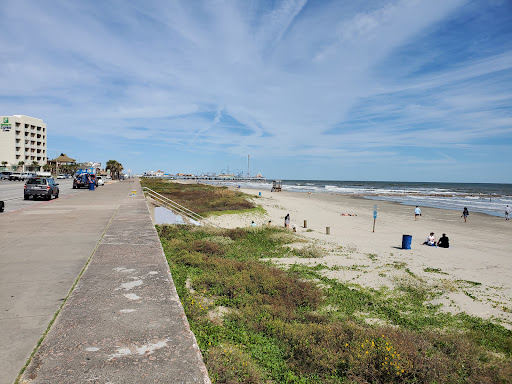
(22, 139)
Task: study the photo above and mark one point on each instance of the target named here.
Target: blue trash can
(406, 241)
(91, 186)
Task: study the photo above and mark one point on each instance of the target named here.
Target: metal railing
(174, 206)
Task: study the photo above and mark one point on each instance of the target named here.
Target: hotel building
(22, 138)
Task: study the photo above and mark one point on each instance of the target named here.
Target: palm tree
(4, 163)
(115, 168)
(21, 164)
(35, 164)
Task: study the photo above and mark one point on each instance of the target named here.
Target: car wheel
(74, 186)
(49, 196)
(26, 197)
(57, 195)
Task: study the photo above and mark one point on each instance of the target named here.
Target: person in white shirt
(431, 240)
(507, 212)
(417, 212)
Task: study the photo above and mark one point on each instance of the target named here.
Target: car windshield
(36, 181)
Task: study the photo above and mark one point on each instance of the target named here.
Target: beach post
(374, 216)
(305, 223)
(327, 230)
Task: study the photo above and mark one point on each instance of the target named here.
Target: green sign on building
(6, 119)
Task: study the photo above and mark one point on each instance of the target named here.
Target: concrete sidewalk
(43, 248)
(124, 322)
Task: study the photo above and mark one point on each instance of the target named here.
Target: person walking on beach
(465, 214)
(417, 212)
(507, 212)
(287, 221)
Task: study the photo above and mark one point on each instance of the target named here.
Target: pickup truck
(21, 175)
(15, 176)
(80, 181)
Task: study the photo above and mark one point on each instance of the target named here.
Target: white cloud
(289, 74)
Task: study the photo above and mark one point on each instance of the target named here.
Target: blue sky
(345, 90)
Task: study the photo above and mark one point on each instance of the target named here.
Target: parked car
(27, 175)
(61, 176)
(5, 175)
(80, 181)
(99, 181)
(15, 176)
(44, 187)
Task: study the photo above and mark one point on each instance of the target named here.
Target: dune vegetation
(258, 322)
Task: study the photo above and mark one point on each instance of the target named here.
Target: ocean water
(486, 198)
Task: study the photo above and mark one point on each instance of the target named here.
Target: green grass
(200, 198)
(281, 327)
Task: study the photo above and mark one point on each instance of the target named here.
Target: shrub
(230, 364)
(309, 251)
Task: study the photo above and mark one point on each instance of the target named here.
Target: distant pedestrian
(465, 214)
(417, 212)
(287, 221)
(507, 212)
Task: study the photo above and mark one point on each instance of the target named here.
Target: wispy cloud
(213, 81)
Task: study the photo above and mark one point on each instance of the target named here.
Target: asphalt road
(11, 193)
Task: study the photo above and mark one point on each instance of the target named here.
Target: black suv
(44, 187)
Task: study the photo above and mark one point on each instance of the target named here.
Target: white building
(22, 138)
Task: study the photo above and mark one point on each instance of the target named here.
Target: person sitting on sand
(444, 242)
(253, 224)
(431, 240)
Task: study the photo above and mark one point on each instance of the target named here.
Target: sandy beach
(474, 275)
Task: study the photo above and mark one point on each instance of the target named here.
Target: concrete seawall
(124, 322)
